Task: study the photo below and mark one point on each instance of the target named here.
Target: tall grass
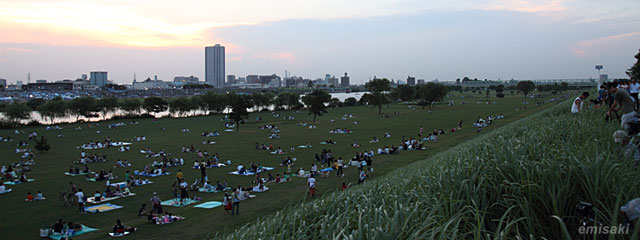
(521, 181)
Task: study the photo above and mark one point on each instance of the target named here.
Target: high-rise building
(344, 80)
(333, 81)
(411, 81)
(231, 79)
(253, 79)
(98, 79)
(3, 83)
(266, 79)
(214, 65)
(420, 81)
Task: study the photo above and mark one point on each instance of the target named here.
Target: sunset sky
(444, 39)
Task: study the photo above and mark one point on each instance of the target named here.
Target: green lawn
(23, 220)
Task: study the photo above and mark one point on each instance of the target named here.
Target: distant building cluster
(214, 77)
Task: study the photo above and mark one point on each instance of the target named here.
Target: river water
(35, 116)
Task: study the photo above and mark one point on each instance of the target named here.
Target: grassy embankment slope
(512, 182)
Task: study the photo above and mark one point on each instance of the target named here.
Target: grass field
(23, 220)
(522, 181)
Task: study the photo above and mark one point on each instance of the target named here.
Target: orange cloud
(83, 23)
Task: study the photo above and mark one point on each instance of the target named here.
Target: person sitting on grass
(39, 196)
(194, 185)
(120, 229)
(277, 179)
(58, 228)
(219, 186)
(270, 178)
(97, 196)
(208, 187)
(241, 169)
(630, 148)
(260, 187)
(29, 197)
(142, 212)
(345, 186)
(23, 178)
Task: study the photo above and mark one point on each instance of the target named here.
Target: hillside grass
(520, 181)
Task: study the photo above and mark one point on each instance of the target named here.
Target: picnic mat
(217, 165)
(257, 189)
(238, 173)
(176, 203)
(7, 191)
(228, 130)
(18, 182)
(92, 199)
(214, 191)
(102, 208)
(77, 174)
(304, 146)
(327, 169)
(84, 230)
(118, 234)
(150, 175)
(212, 166)
(209, 205)
(124, 184)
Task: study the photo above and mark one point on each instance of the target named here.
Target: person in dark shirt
(58, 227)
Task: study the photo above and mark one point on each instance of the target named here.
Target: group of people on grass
(213, 133)
(231, 200)
(91, 158)
(620, 98)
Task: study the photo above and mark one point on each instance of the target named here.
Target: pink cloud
(581, 48)
(528, 6)
(20, 50)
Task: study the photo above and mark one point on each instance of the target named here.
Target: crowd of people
(327, 163)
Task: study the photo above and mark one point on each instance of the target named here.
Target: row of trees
(316, 102)
(89, 107)
(381, 93)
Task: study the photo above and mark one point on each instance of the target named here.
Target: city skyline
(57, 40)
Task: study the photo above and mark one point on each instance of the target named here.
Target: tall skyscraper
(344, 81)
(98, 79)
(214, 65)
